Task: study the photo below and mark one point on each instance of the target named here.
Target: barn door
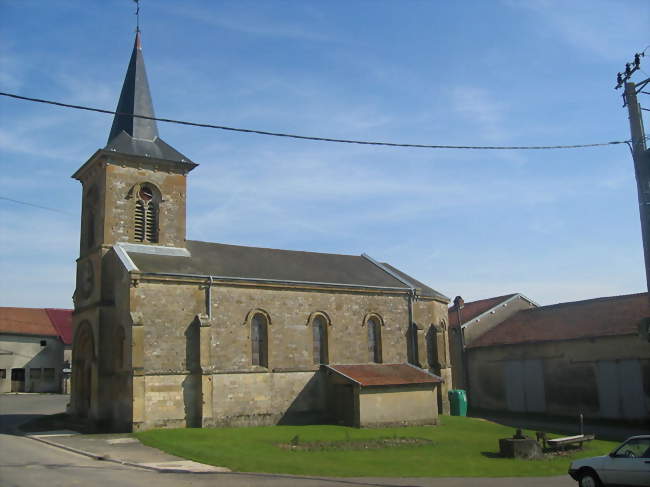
(620, 389)
(524, 381)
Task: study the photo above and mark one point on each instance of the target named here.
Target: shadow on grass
(491, 454)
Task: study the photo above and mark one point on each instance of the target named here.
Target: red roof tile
(26, 321)
(37, 321)
(611, 316)
(385, 374)
(62, 321)
(475, 308)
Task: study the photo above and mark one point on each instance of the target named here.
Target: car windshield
(634, 448)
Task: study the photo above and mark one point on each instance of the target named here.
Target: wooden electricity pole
(641, 157)
(640, 154)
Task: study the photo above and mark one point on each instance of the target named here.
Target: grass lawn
(461, 447)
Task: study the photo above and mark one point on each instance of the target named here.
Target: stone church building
(170, 332)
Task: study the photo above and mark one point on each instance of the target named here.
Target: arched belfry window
(373, 323)
(259, 339)
(320, 349)
(145, 219)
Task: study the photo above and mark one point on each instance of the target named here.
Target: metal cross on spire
(137, 15)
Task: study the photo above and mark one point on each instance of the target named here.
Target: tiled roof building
(589, 357)
(33, 347)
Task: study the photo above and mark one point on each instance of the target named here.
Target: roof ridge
(504, 297)
(583, 301)
(276, 249)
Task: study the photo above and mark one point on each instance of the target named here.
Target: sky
(557, 226)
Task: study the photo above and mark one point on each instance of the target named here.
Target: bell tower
(133, 192)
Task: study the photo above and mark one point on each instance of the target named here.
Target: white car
(628, 465)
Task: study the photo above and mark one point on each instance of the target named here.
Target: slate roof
(37, 322)
(475, 308)
(384, 374)
(610, 316)
(236, 261)
(134, 135)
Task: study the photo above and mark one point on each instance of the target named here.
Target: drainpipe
(209, 303)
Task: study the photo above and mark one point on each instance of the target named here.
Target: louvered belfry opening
(145, 227)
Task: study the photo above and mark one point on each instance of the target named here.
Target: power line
(321, 139)
(36, 206)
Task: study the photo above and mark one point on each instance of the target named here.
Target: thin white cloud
(601, 27)
(480, 109)
(249, 21)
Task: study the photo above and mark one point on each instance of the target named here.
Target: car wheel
(589, 478)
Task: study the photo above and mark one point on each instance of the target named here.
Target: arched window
(374, 339)
(412, 346)
(259, 340)
(145, 221)
(319, 331)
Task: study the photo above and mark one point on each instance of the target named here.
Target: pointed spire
(135, 99)
(134, 135)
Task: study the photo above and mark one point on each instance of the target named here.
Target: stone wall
(112, 184)
(197, 369)
(601, 377)
(397, 406)
(268, 398)
(290, 334)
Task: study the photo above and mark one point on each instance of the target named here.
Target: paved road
(27, 463)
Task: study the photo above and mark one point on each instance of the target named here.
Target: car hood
(588, 462)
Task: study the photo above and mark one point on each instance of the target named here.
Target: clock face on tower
(86, 278)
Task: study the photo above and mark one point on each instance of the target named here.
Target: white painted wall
(26, 352)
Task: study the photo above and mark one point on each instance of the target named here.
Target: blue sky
(554, 225)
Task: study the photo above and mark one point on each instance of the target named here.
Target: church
(170, 332)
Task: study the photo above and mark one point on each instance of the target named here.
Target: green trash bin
(458, 402)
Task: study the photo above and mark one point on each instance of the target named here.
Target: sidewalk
(123, 449)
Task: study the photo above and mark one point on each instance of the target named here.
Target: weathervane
(137, 15)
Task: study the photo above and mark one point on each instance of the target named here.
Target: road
(28, 463)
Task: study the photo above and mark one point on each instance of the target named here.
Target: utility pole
(640, 153)
(641, 156)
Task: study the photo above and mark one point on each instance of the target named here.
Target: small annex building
(589, 357)
(170, 332)
(373, 395)
(35, 344)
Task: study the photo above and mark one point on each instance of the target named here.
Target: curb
(108, 459)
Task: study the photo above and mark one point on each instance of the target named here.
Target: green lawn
(462, 447)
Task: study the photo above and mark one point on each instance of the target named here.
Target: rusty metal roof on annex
(384, 374)
(609, 316)
(37, 322)
(255, 263)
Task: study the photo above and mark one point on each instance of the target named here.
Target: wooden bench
(561, 443)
